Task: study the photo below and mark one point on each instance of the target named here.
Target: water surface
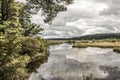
(67, 63)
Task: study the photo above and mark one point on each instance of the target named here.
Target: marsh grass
(102, 43)
(55, 42)
(117, 50)
(114, 45)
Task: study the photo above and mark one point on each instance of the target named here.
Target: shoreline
(114, 45)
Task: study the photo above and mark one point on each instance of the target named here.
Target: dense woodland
(21, 51)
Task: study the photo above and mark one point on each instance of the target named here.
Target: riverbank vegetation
(57, 42)
(104, 43)
(21, 51)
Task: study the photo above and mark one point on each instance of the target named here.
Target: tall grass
(114, 45)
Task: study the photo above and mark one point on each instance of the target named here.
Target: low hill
(98, 36)
(91, 37)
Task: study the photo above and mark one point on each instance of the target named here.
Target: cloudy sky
(82, 18)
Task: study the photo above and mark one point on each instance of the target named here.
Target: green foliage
(18, 52)
(21, 52)
(30, 29)
(49, 8)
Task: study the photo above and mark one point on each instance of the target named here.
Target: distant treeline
(92, 37)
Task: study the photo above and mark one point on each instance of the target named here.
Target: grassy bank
(57, 42)
(114, 45)
(103, 43)
(116, 50)
(97, 44)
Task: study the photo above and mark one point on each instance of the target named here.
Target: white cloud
(24, 1)
(82, 18)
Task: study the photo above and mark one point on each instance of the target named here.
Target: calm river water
(67, 63)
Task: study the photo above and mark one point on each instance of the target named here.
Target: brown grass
(114, 45)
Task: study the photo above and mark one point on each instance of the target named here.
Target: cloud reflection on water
(70, 63)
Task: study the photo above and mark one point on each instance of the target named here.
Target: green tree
(49, 8)
(11, 36)
(21, 52)
(30, 29)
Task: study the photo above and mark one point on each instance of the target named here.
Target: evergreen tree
(21, 52)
